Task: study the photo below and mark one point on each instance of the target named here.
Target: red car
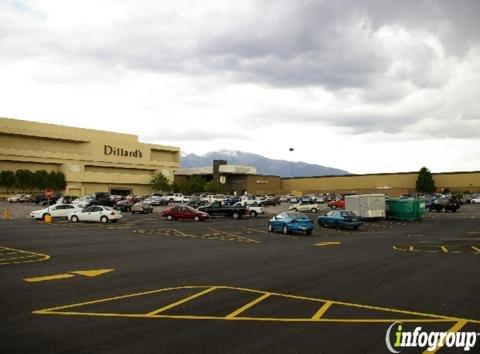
(337, 203)
(182, 212)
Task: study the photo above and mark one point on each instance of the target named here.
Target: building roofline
(381, 174)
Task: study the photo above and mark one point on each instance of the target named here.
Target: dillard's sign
(116, 151)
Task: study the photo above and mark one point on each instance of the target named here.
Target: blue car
(340, 219)
(291, 222)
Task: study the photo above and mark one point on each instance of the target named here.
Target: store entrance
(122, 192)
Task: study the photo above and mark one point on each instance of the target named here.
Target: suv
(305, 206)
(444, 205)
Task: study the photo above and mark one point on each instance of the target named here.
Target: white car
(185, 199)
(16, 198)
(96, 213)
(55, 211)
(82, 202)
(475, 200)
(175, 197)
(214, 198)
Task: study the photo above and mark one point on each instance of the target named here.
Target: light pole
(291, 162)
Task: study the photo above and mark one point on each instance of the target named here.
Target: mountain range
(264, 165)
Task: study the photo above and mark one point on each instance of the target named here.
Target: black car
(125, 205)
(271, 201)
(444, 205)
(39, 199)
(102, 198)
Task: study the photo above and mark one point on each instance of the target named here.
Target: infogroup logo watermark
(397, 337)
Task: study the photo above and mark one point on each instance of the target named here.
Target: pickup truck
(253, 209)
(218, 209)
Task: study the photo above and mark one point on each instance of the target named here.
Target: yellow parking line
(233, 235)
(15, 258)
(49, 277)
(456, 327)
(476, 249)
(444, 249)
(253, 229)
(165, 308)
(179, 232)
(396, 313)
(247, 306)
(44, 257)
(322, 310)
(257, 319)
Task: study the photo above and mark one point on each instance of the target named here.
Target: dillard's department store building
(92, 160)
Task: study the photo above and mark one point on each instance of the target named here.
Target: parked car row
(295, 222)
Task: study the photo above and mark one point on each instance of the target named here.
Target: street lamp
(291, 161)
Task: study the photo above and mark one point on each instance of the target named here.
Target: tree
(197, 184)
(56, 181)
(160, 183)
(211, 187)
(7, 179)
(60, 182)
(425, 182)
(40, 179)
(24, 179)
(183, 186)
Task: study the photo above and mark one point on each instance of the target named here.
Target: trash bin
(405, 209)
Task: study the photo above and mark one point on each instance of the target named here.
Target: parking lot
(147, 284)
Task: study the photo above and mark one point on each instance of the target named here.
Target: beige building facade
(392, 184)
(92, 160)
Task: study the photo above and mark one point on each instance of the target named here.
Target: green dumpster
(405, 209)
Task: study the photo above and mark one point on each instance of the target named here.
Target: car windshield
(297, 216)
(349, 214)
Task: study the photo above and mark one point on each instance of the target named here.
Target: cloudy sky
(365, 86)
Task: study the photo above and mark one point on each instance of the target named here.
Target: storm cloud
(358, 67)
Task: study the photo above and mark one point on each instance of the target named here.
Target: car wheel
(294, 209)
(333, 206)
(270, 228)
(314, 210)
(236, 215)
(355, 227)
(104, 219)
(74, 218)
(285, 229)
(169, 217)
(196, 218)
(322, 224)
(444, 210)
(253, 214)
(309, 232)
(44, 216)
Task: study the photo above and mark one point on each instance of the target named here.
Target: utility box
(366, 206)
(405, 209)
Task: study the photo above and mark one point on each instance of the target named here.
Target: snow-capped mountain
(264, 165)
